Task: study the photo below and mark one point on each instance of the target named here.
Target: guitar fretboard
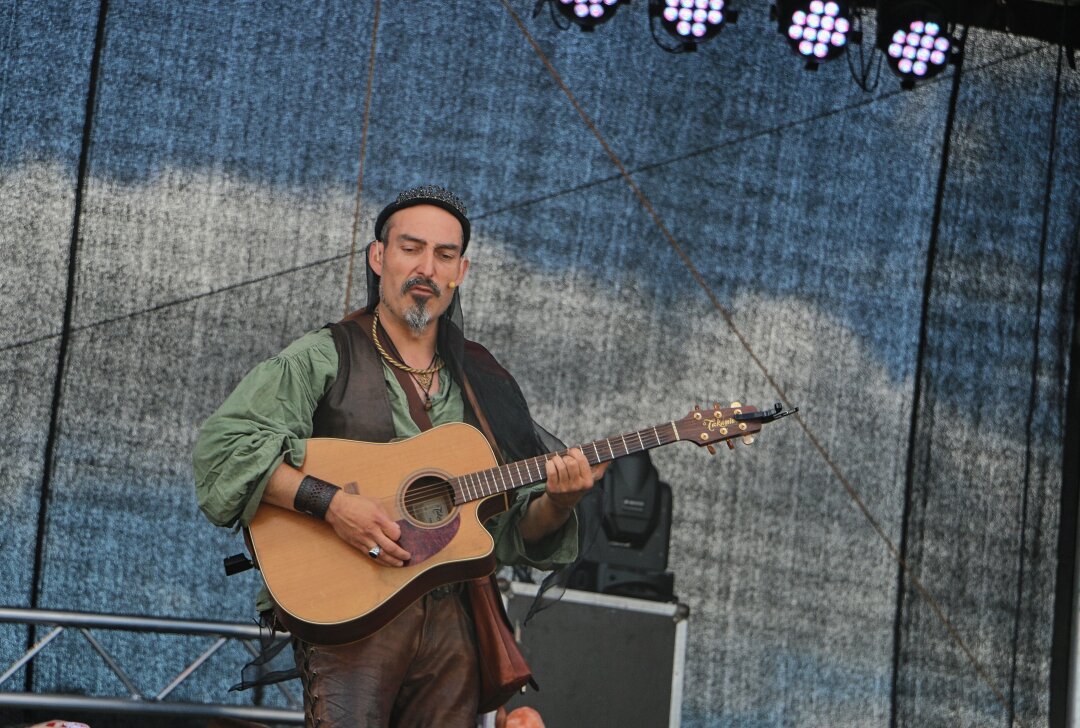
(484, 483)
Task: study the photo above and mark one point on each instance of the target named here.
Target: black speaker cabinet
(602, 661)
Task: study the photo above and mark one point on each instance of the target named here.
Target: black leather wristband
(313, 496)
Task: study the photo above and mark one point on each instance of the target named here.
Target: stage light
(915, 39)
(818, 30)
(588, 13)
(692, 21)
(625, 533)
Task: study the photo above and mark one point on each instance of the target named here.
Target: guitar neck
(484, 483)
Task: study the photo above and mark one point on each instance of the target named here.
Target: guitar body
(328, 592)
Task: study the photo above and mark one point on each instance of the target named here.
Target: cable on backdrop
(363, 149)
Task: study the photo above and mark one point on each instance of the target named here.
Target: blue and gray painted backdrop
(211, 225)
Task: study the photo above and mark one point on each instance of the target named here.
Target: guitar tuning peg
(711, 449)
(748, 439)
(730, 444)
(736, 404)
(697, 407)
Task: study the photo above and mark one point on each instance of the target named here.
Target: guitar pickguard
(423, 543)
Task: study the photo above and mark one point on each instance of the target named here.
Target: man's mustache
(420, 281)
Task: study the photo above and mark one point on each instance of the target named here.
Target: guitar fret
(502, 478)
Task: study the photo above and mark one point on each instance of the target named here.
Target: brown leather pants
(420, 670)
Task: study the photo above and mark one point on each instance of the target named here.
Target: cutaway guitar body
(440, 487)
(328, 592)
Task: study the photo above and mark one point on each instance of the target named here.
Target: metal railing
(137, 702)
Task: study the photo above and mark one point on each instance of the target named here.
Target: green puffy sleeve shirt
(267, 420)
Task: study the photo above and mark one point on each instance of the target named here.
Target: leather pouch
(503, 670)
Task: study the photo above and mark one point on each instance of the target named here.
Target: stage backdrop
(177, 187)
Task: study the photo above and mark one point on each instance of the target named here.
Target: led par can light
(915, 39)
(818, 30)
(588, 13)
(693, 21)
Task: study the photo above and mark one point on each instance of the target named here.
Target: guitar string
(363, 148)
(482, 479)
(506, 472)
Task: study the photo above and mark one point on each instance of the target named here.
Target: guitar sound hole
(429, 500)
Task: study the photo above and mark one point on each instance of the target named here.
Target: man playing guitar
(386, 372)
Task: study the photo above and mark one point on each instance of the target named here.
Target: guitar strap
(503, 670)
(471, 396)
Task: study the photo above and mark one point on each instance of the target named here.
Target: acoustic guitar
(440, 487)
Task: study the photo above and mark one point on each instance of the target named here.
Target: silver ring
(374, 551)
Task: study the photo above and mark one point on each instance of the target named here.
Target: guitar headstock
(705, 426)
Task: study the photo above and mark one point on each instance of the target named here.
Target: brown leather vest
(357, 405)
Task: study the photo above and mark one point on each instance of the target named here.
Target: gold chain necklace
(424, 377)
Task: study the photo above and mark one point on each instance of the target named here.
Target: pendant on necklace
(424, 380)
